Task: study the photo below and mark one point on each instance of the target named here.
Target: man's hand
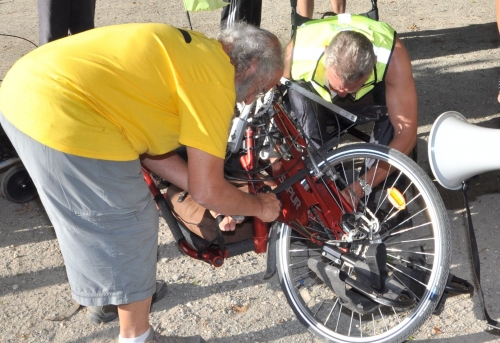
(347, 193)
(271, 207)
(228, 223)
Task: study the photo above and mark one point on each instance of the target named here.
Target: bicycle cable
(14, 36)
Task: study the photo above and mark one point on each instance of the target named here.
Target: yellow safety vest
(314, 36)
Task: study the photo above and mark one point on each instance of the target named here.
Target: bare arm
(204, 179)
(209, 188)
(170, 166)
(338, 6)
(401, 99)
(288, 59)
(498, 14)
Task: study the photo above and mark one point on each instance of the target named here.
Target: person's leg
(198, 219)
(106, 224)
(310, 117)
(383, 131)
(82, 15)
(53, 20)
(107, 313)
(249, 11)
(306, 8)
(134, 318)
(338, 6)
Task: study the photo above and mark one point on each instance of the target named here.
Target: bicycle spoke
(350, 325)
(409, 262)
(385, 322)
(406, 274)
(410, 229)
(338, 318)
(410, 241)
(411, 252)
(373, 322)
(408, 289)
(339, 204)
(360, 325)
(331, 311)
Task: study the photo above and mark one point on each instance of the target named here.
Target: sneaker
(156, 338)
(108, 313)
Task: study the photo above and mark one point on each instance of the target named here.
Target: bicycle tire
(318, 307)
(334, 142)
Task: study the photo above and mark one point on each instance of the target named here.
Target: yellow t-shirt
(120, 91)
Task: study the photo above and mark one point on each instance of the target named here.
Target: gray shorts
(105, 220)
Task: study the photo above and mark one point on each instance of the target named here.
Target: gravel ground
(454, 49)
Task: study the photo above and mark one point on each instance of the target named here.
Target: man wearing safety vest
(350, 58)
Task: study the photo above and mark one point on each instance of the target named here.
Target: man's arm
(170, 166)
(204, 179)
(401, 100)
(287, 53)
(498, 14)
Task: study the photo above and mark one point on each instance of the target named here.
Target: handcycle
(368, 269)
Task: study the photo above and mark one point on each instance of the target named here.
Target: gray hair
(351, 55)
(247, 45)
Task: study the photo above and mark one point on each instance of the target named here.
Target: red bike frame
(296, 200)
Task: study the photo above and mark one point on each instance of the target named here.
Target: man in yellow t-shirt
(84, 111)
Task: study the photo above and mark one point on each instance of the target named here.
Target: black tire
(420, 244)
(17, 185)
(334, 142)
(329, 145)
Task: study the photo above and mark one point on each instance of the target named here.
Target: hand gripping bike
(369, 272)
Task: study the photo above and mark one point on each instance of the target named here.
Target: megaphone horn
(459, 150)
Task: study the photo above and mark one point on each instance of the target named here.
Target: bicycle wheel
(417, 240)
(17, 185)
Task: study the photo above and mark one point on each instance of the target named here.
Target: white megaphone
(459, 150)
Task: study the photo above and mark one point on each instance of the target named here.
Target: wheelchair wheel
(334, 142)
(17, 185)
(417, 240)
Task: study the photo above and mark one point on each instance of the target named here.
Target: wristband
(367, 189)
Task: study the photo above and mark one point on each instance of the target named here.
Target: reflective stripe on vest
(314, 36)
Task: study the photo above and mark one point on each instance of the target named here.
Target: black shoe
(102, 314)
(108, 313)
(161, 291)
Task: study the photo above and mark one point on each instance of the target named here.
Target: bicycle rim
(418, 255)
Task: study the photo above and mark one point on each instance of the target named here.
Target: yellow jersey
(117, 92)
